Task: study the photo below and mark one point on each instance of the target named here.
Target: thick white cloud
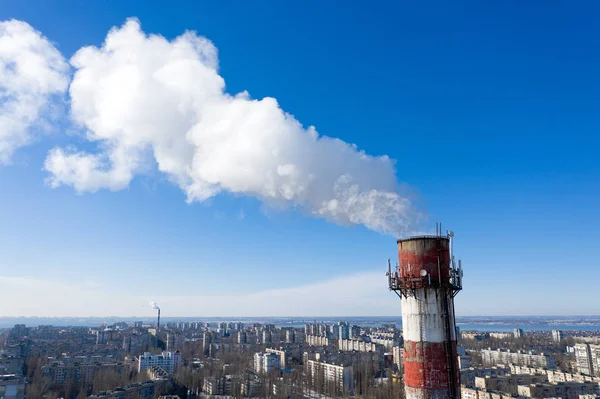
(145, 100)
(32, 70)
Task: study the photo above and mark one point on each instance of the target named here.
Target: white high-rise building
(266, 362)
(343, 330)
(398, 356)
(518, 333)
(557, 335)
(588, 359)
(342, 375)
(168, 361)
(283, 356)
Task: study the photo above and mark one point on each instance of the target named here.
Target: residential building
(217, 386)
(467, 376)
(251, 387)
(168, 361)
(398, 354)
(356, 345)
(355, 332)
(464, 362)
(317, 340)
(501, 335)
(156, 373)
(283, 356)
(135, 343)
(493, 357)
(518, 333)
(554, 375)
(387, 340)
(290, 336)
(564, 390)
(557, 335)
(477, 336)
(266, 362)
(266, 337)
(343, 330)
(476, 393)
(174, 341)
(141, 390)
(583, 356)
(80, 369)
(341, 375)
(508, 383)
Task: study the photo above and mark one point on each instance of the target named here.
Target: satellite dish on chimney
(423, 272)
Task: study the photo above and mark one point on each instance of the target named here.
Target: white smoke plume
(144, 99)
(32, 70)
(153, 305)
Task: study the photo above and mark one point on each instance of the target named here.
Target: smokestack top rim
(422, 237)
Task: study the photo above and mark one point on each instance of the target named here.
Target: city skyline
(106, 206)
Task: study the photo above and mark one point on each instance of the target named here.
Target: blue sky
(490, 111)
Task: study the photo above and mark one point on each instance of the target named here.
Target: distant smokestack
(155, 306)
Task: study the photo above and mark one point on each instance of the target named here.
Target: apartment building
(317, 340)
(557, 335)
(168, 361)
(588, 359)
(217, 386)
(518, 333)
(266, 362)
(464, 362)
(501, 335)
(475, 393)
(284, 356)
(508, 383)
(554, 375)
(80, 369)
(356, 345)
(385, 339)
(341, 375)
(467, 376)
(398, 355)
(564, 390)
(492, 357)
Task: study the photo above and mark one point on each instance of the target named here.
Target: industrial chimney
(426, 279)
(155, 306)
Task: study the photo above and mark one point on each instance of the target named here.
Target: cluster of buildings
(526, 374)
(321, 358)
(557, 335)
(523, 385)
(13, 383)
(144, 390)
(492, 357)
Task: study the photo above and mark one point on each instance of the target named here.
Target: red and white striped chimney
(427, 281)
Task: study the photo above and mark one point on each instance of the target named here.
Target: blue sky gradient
(490, 111)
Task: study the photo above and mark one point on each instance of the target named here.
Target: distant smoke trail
(148, 101)
(154, 305)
